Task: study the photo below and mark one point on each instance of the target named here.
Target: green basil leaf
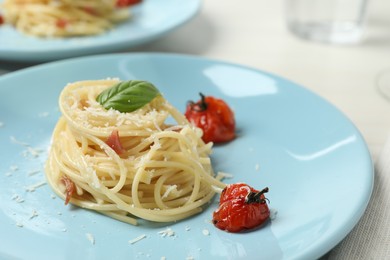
(128, 96)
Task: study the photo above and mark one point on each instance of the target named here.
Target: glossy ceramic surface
(311, 156)
(151, 19)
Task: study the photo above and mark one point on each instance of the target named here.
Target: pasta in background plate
(63, 18)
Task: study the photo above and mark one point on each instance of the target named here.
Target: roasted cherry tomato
(241, 208)
(214, 117)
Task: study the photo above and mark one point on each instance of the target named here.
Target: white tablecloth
(370, 239)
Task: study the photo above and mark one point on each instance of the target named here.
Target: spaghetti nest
(162, 174)
(63, 18)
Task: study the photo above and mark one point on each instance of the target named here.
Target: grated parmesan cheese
(17, 198)
(225, 175)
(34, 214)
(19, 224)
(33, 187)
(34, 152)
(273, 214)
(31, 173)
(135, 240)
(206, 232)
(95, 179)
(90, 237)
(170, 188)
(16, 141)
(166, 232)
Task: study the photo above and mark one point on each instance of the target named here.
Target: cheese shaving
(137, 239)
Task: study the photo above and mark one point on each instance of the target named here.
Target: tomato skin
(237, 190)
(214, 117)
(237, 213)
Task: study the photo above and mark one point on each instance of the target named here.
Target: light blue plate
(151, 19)
(311, 156)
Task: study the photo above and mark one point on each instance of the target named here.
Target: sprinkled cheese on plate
(135, 240)
(34, 214)
(90, 237)
(17, 198)
(31, 173)
(33, 187)
(16, 141)
(19, 224)
(167, 232)
(225, 175)
(34, 152)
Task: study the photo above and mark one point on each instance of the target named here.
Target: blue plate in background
(151, 19)
(310, 155)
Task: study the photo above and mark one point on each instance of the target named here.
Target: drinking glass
(330, 21)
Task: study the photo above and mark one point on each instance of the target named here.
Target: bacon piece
(69, 186)
(115, 143)
(125, 3)
(90, 10)
(61, 23)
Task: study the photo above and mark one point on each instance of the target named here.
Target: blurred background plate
(151, 19)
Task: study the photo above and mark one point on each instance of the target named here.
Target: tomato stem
(255, 197)
(199, 106)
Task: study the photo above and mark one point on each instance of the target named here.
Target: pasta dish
(63, 18)
(149, 163)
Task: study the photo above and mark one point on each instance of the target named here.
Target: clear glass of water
(330, 21)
